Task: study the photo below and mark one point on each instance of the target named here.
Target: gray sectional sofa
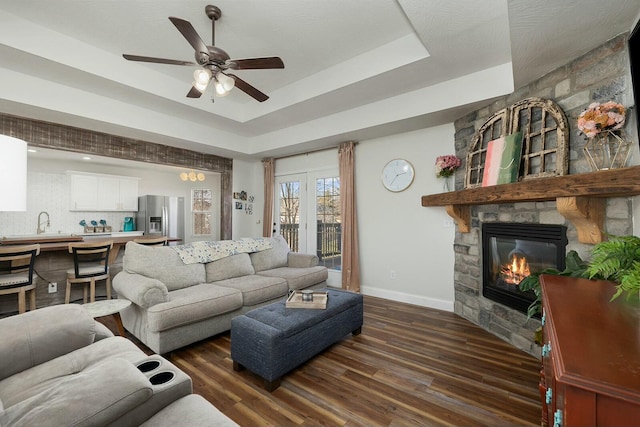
(176, 303)
(59, 367)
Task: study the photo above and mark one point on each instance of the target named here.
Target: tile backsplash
(49, 192)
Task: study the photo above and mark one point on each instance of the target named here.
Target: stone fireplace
(509, 323)
(511, 252)
(599, 75)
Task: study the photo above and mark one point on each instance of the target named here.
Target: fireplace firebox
(511, 252)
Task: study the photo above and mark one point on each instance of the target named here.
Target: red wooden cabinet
(590, 354)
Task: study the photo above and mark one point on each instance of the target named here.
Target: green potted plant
(574, 267)
(618, 260)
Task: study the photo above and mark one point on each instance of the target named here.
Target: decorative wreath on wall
(544, 142)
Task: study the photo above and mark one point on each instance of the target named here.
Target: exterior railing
(290, 233)
(329, 238)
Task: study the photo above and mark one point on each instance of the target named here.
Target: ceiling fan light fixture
(227, 82)
(200, 87)
(192, 176)
(202, 76)
(220, 90)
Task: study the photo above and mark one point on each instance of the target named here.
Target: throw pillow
(272, 258)
(161, 263)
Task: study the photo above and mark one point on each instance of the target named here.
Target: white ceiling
(354, 69)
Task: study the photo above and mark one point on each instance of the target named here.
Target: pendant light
(192, 176)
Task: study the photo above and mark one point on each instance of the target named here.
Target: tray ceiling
(353, 69)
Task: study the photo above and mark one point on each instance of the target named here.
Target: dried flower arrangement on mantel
(545, 140)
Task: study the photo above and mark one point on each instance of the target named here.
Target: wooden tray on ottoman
(319, 300)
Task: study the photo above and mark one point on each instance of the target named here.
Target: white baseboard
(408, 298)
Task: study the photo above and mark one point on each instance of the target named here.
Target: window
(201, 210)
(290, 213)
(329, 223)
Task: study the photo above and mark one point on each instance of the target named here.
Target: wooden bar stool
(16, 273)
(90, 264)
(152, 241)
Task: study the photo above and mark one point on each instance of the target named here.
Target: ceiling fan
(214, 61)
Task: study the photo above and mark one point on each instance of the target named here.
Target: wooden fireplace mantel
(580, 198)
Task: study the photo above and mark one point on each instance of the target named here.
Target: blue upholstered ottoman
(272, 340)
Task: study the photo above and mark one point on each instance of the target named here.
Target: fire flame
(515, 270)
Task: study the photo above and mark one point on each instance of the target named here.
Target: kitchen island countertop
(46, 245)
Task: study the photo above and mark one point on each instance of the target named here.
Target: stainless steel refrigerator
(161, 216)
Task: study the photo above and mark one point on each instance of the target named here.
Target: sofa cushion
(299, 278)
(229, 267)
(162, 263)
(271, 258)
(41, 335)
(189, 305)
(30, 382)
(191, 410)
(257, 289)
(95, 396)
(298, 260)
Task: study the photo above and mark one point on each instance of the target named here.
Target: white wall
(398, 234)
(48, 190)
(247, 176)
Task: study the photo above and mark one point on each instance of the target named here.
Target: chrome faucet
(42, 230)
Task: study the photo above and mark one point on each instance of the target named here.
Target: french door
(307, 214)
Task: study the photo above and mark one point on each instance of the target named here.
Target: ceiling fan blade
(248, 89)
(156, 60)
(194, 93)
(190, 34)
(255, 63)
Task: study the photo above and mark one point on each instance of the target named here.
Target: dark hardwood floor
(411, 366)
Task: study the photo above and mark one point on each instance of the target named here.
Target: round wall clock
(397, 175)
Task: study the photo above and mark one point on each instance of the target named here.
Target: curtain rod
(333, 147)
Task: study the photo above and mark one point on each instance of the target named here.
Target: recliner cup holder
(149, 365)
(161, 377)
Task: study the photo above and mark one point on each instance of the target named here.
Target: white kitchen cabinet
(95, 192)
(109, 193)
(84, 196)
(129, 194)
(117, 194)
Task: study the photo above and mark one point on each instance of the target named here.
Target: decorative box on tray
(318, 301)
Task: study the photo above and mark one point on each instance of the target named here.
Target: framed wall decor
(545, 140)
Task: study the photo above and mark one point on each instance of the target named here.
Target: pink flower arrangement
(446, 165)
(601, 117)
